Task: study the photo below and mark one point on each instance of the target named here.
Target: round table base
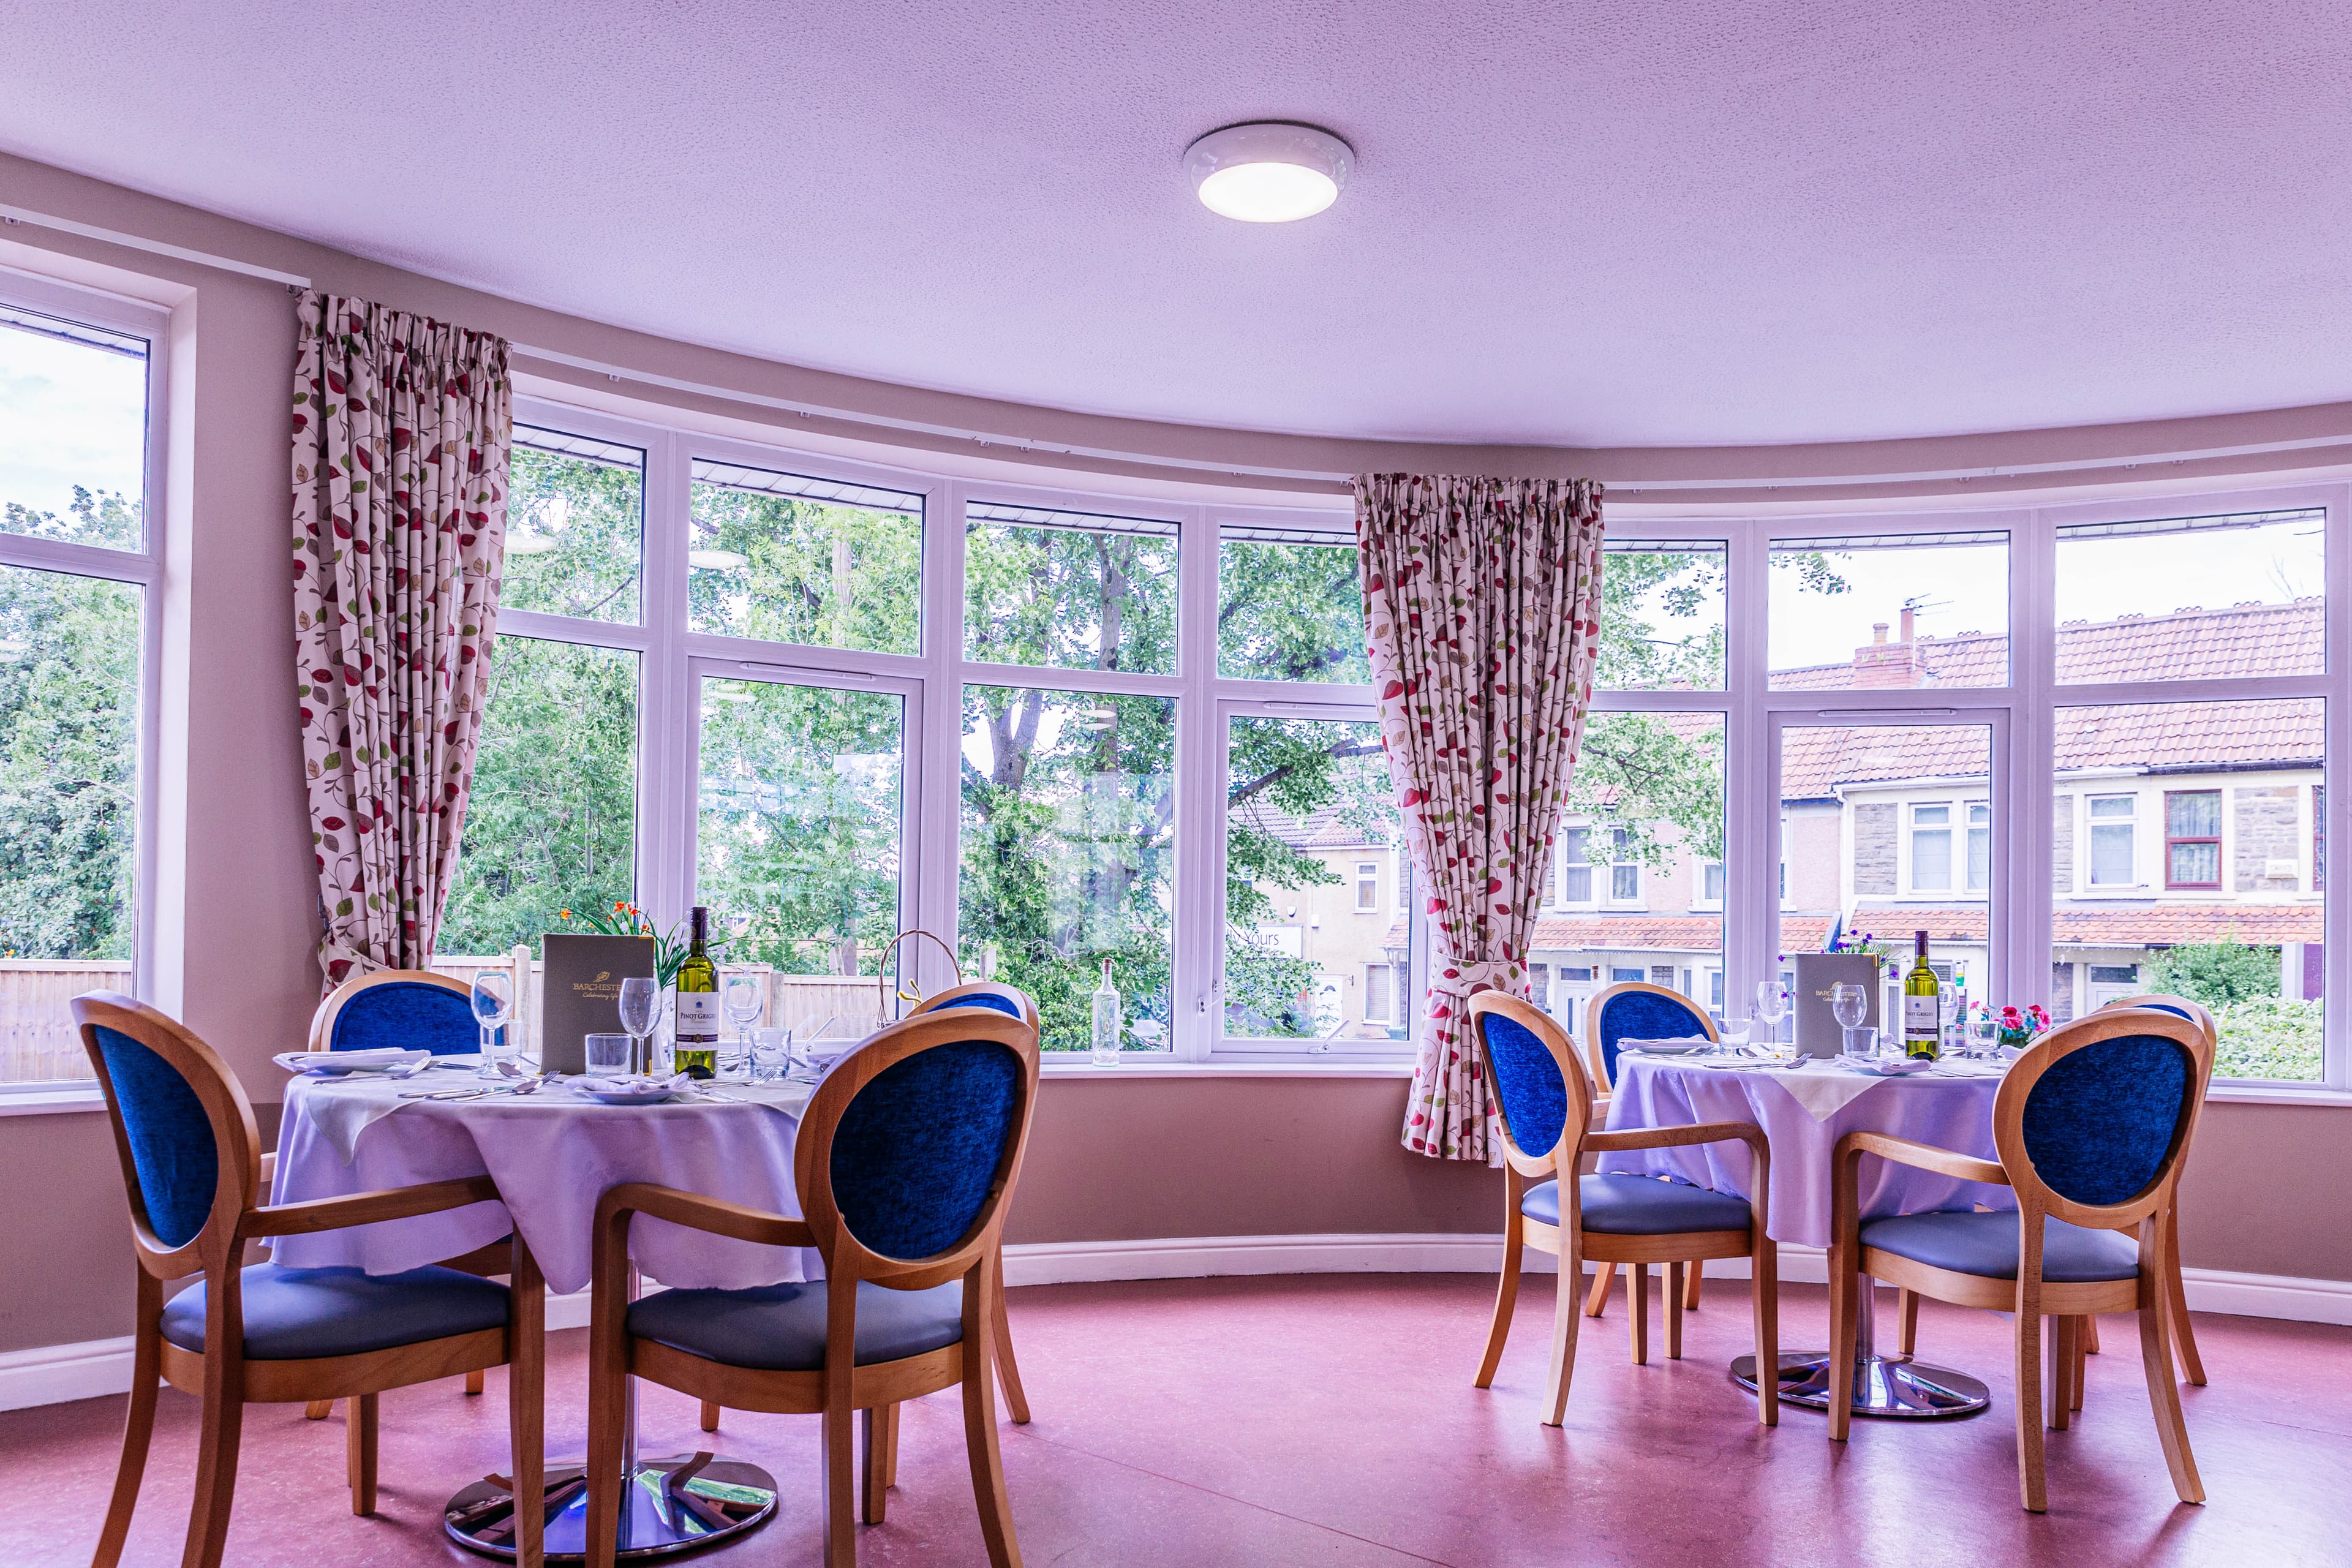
(1893, 1386)
(721, 1499)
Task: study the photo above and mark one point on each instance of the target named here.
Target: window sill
(1165, 1068)
(62, 1100)
(2244, 1093)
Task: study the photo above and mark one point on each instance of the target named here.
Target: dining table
(1804, 1106)
(553, 1151)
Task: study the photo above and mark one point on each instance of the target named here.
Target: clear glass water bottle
(1109, 1021)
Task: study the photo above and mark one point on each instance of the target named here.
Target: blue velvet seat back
(918, 1147)
(1643, 1016)
(2169, 1008)
(2099, 1123)
(171, 1146)
(1004, 1004)
(409, 1015)
(1527, 1082)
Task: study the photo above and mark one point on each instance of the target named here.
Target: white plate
(1899, 1066)
(1669, 1048)
(624, 1097)
(342, 1064)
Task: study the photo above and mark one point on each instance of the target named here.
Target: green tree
(2216, 974)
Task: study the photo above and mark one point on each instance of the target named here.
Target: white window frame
(1912, 828)
(142, 568)
(2088, 881)
(1367, 888)
(1595, 872)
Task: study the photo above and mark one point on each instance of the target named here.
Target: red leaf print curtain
(401, 432)
(1482, 604)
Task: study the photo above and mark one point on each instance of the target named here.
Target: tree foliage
(2216, 974)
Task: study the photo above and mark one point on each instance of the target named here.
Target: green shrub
(2268, 1036)
(2216, 974)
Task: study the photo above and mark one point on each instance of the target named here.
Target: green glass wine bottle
(695, 1049)
(1921, 1009)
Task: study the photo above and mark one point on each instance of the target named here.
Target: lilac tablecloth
(1951, 1113)
(553, 1156)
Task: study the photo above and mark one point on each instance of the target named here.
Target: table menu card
(580, 992)
(1818, 1033)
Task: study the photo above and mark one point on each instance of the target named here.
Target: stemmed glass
(1771, 1006)
(1849, 1004)
(739, 994)
(640, 1010)
(493, 1001)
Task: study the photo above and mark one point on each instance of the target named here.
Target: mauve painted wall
(1143, 1158)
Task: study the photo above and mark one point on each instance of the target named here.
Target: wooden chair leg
(2176, 1296)
(1637, 1309)
(839, 1430)
(1506, 1293)
(1690, 1291)
(2090, 1339)
(1565, 1315)
(1845, 1327)
(709, 1417)
(318, 1409)
(223, 1424)
(890, 1448)
(2083, 1329)
(526, 1407)
(1673, 1311)
(475, 1380)
(138, 1425)
(358, 1448)
(987, 1463)
(2059, 1372)
(1596, 1304)
(2032, 1483)
(874, 1474)
(2164, 1397)
(1764, 1292)
(1907, 1306)
(1016, 1400)
(608, 1399)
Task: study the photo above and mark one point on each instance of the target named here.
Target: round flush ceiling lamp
(1269, 171)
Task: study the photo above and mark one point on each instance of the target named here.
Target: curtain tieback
(342, 962)
(1458, 982)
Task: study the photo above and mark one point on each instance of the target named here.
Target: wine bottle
(1108, 1024)
(1920, 1004)
(695, 1049)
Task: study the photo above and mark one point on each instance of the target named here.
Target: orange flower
(565, 914)
(618, 906)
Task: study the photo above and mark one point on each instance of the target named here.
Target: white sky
(69, 414)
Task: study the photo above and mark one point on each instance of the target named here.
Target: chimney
(1881, 664)
(1878, 632)
(1907, 613)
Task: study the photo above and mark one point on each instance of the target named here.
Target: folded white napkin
(1679, 1042)
(376, 1060)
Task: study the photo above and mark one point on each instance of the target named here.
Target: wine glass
(1849, 1004)
(1771, 1006)
(493, 1001)
(739, 994)
(640, 1011)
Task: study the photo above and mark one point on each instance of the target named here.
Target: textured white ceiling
(1676, 221)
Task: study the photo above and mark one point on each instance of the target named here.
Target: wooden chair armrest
(367, 1208)
(1746, 1132)
(1923, 1157)
(705, 1214)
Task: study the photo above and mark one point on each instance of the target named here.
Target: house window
(1931, 849)
(1575, 871)
(2318, 837)
(2192, 838)
(1711, 882)
(2112, 818)
(1980, 845)
(1715, 990)
(1620, 975)
(1368, 887)
(1624, 871)
(1663, 975)
(1380, 989)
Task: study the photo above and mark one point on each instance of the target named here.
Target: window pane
(1069, 589)
(1931, 860)
(551, 824)
(1661, 616)
(2133, 598)
(1660, 777)
(1290, 607)
(73, 432)
(575, 527)
(1979, 848)
(1068, 853)
(69, 809)
(2245, 939)
(1889, 612)
(786, 558)
(1305, 799)
(2111, 854)
(796, 840)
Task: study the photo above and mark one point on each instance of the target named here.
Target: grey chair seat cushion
(1640, 1205)
(294, 1314)
(780, 1328)
(1985, 1245)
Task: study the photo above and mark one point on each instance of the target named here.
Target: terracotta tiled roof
(1327, 827)
(1661, 933)
(2130, 925)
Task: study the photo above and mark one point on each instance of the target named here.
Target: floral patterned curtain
(401, 432)
(1482, 603)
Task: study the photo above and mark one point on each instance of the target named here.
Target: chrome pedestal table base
(1883, 1385)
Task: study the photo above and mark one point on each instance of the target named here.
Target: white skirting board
(51, 1374)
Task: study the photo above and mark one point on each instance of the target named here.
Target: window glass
(1068, 853)
(797, 834)
(1884, 612)
(1575, 870)
(73, 432)
(1931, 849)
(1290, 607)
(575, 526)
(2196, 598)
(1069, 589)
(787, 558)
(2230, 915)
(1713, 890)
(551, 824)
(1306, 800)
(1662, 616)
(1980, 845)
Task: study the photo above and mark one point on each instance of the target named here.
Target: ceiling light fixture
(1269, 171)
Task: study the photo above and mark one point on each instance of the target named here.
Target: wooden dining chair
(2092, 1125)
(1544, 1103)
(1636, 1009)
(2176, 1290)
(191, 1168)
(403, 1009)
(905, 1165)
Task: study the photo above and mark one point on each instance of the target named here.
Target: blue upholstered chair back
(171, 1144)
(1004, 1004)
(918, 1147)
(1527, 1083)
(409, 1015)
(1643, 1015)
(2101, 1126)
